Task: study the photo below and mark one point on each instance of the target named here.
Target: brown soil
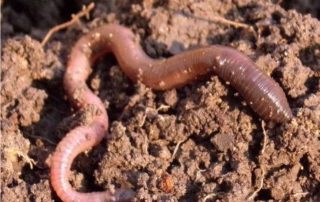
(196, 143)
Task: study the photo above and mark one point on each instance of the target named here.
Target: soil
(196, 143)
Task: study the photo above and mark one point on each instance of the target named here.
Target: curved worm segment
(260, 91)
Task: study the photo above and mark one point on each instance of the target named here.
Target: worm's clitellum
(260, 91)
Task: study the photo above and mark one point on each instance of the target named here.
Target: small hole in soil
(268, 47)
(85, 165)
(13, 184)
(263, 195)
(303, 6)
(154, 150)
(265, 32)
(255, 145)
(228, 167)
(160, 3)
(310, 57)
(290, 38)
(30, 176)
(277, 75)
(25, 15)
(276, 16)
(306, 165)
(225, 186)
(202, 165)
(175, 163)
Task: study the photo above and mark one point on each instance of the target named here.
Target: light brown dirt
(196, 143)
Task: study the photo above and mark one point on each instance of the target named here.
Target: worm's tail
(76, 141)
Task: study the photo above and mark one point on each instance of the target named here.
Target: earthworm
(260, 91)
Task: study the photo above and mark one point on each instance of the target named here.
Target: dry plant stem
(262, 93)
(75, 18)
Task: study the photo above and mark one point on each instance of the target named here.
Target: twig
(74, 18)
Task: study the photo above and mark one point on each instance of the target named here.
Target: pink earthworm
(262, 93)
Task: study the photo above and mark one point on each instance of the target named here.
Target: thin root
(301, 194)
(176, 149)
(74, 18)
(231, 23)
(224, 21)
(25, 157)
(43, 139)
(251, 197)
(162, 107)
(208, 197)
(263, 125)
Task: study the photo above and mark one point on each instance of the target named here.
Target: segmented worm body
(260, 91)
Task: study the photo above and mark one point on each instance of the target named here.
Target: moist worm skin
(260, 91)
